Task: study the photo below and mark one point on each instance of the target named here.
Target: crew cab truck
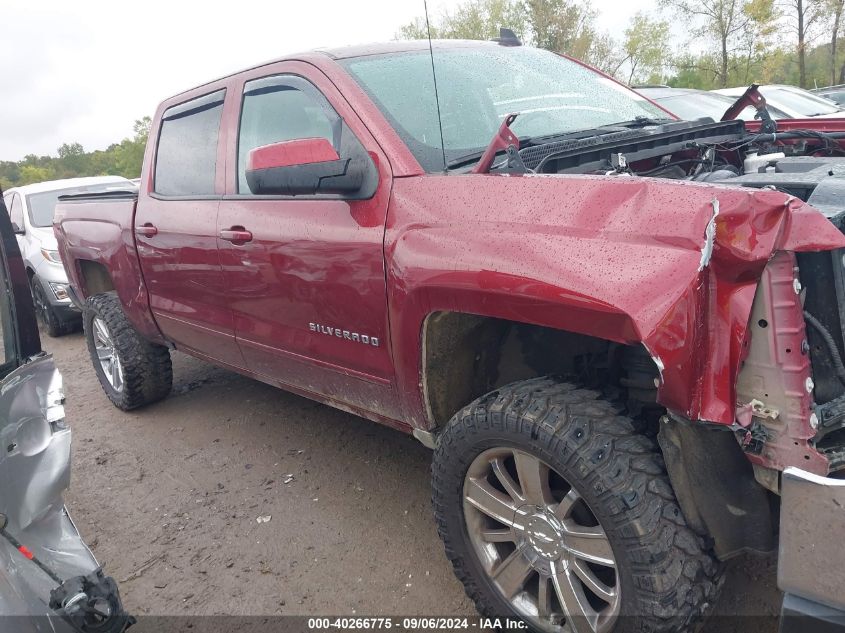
(614, 336)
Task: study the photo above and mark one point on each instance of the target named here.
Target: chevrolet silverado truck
(615, 328)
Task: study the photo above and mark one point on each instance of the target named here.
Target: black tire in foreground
(54, 325)
(550, 504)
(132, 371)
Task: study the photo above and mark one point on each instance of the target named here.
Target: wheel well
(95, 277)
(466, 356)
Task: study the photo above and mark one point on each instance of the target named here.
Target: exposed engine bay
(806, 164)
(794, 161)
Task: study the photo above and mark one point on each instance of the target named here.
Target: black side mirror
(305, 167)
(17, 230)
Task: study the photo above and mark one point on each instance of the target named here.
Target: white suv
(31, 211)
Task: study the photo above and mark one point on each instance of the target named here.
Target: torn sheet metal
(709, 237)
(34, 472)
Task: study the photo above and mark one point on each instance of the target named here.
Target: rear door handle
(236, 235)
(146, 230)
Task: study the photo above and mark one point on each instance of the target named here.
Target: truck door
(308, 287)
(176, 232)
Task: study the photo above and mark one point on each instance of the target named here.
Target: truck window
(186, 159)
(16, 212)
(274, 111)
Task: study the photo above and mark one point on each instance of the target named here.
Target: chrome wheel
(107, 355)
(540, 544)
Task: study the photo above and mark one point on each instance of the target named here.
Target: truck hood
(670, 264)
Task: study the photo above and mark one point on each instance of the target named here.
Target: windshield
(478, 86)
(42, 205)
(837, 97)
(805, 105)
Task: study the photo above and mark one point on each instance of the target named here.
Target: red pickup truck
(614, 327)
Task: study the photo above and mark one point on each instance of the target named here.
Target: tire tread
(676, 577)
(147, 368)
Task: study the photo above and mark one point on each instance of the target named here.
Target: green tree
(832, 18)
(804, 16)
(415, 30)
(70, 149)
(71, 160)
(730, 28)
(646, 47)
(471, 20)
(141, 128)
(31, 173)
(562, 26)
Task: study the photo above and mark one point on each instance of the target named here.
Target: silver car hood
(34, 472)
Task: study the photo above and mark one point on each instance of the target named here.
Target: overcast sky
(84, 71)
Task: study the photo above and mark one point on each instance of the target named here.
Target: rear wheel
(553, 510)
(131, 370)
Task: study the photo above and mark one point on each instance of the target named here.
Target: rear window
(186, 160)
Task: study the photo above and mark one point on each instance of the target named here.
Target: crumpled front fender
(699, 343)
(672, 265)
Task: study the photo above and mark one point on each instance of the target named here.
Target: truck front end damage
(747, 364)
(754, 342)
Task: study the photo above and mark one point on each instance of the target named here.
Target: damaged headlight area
(60, 291)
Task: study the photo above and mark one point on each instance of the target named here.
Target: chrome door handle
(236, 235)
(146, 230)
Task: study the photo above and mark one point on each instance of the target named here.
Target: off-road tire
(53, 325)
(668, 577)
(147, 370)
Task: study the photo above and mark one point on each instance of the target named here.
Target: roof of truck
(53, 185)
(398, 46)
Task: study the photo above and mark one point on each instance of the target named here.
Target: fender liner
(716, 489)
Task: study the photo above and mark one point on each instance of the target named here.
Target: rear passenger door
(176, 230)
(308, 290)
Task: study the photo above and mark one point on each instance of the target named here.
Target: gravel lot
(168, 498)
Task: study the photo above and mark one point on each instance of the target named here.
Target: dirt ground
(169, 499)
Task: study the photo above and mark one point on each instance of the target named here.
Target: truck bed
(96, 240)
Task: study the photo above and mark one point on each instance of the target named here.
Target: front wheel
(53, 324)
(553, 510)
(131, 370)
